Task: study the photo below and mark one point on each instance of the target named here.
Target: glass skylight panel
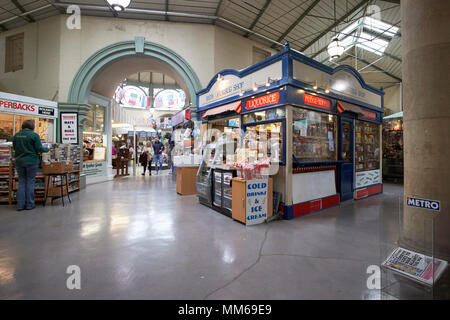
(380, 27)
(375, 41)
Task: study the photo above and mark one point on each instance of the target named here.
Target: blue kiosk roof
(293, 75)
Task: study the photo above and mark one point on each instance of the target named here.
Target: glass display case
(267, 140)
(223, 140)
(367, 146)
(314, 136)
(204, 184)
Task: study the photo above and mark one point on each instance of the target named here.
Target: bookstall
(58, 154)
(311, 132)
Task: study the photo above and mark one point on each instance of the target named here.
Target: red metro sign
(317, 101)
(263, 101)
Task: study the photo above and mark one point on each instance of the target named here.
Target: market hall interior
(344, 133)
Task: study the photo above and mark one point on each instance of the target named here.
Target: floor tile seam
(313, 257)
(243, 271)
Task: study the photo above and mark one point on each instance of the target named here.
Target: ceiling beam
(337, 22)
(371, 66)
(261, 12)
(217, 10)
(111, 9)
(392, 1)
(167, 9)
(22, 10)
(292, 26)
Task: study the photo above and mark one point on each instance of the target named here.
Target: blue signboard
(423, 203)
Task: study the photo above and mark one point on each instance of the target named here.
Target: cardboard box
(56, 167)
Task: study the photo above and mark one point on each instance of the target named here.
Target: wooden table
(121, 167)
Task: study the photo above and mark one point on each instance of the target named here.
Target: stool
(64, 181)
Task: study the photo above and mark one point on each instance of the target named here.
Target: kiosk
(323, 126)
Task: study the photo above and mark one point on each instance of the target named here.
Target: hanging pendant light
(335, 49)
(119, 5)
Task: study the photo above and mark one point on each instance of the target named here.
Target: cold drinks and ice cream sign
(256, 206)
(69, 128)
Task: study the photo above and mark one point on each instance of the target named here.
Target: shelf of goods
(5, 175)
(9, 179)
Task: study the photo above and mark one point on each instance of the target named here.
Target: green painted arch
(82, 82)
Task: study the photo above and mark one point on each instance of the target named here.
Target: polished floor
(135, 238)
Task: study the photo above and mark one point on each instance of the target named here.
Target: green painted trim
(139, 43)
(82, 82)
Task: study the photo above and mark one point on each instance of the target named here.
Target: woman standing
(146, 158)
(27, 146)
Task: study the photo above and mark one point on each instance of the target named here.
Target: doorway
(347, 154)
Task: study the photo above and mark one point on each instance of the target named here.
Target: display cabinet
(222, 192)
(367, 146)
(314, 136)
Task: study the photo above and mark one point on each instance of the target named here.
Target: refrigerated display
(222, 190)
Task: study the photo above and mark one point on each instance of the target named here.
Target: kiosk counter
(320, 127)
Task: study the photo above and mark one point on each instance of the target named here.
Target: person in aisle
(158, 148)
(27, 147)
(170, 155)
(138, 154)
(146, 158)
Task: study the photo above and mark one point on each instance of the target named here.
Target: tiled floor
(135, 238)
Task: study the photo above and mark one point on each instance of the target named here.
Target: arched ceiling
(309, 25)
(114, 73)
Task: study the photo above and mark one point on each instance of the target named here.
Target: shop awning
(234, 106)
(344, 106)
(398, 115)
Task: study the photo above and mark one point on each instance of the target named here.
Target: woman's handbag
(143, 158)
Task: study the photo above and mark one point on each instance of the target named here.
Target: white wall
(392, 98)
(53, 53)
(233, 51)
(40, 76)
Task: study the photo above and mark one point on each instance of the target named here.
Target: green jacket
(27, 146)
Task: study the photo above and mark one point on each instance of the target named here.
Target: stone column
(426, 99)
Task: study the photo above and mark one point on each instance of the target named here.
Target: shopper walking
(27, 147)
(158, 148)
(146, 158)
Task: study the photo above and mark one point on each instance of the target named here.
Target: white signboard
(12, 103)
(367, 178)
(69, 128)
(94, 168)
(232, 85)
(309, 186)
(341, 82)
(415, 265)
(257, 198)
(100, 153)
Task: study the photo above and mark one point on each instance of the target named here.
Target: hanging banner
(256, 205)
(69, 127)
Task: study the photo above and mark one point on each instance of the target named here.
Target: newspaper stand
(414, 268)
